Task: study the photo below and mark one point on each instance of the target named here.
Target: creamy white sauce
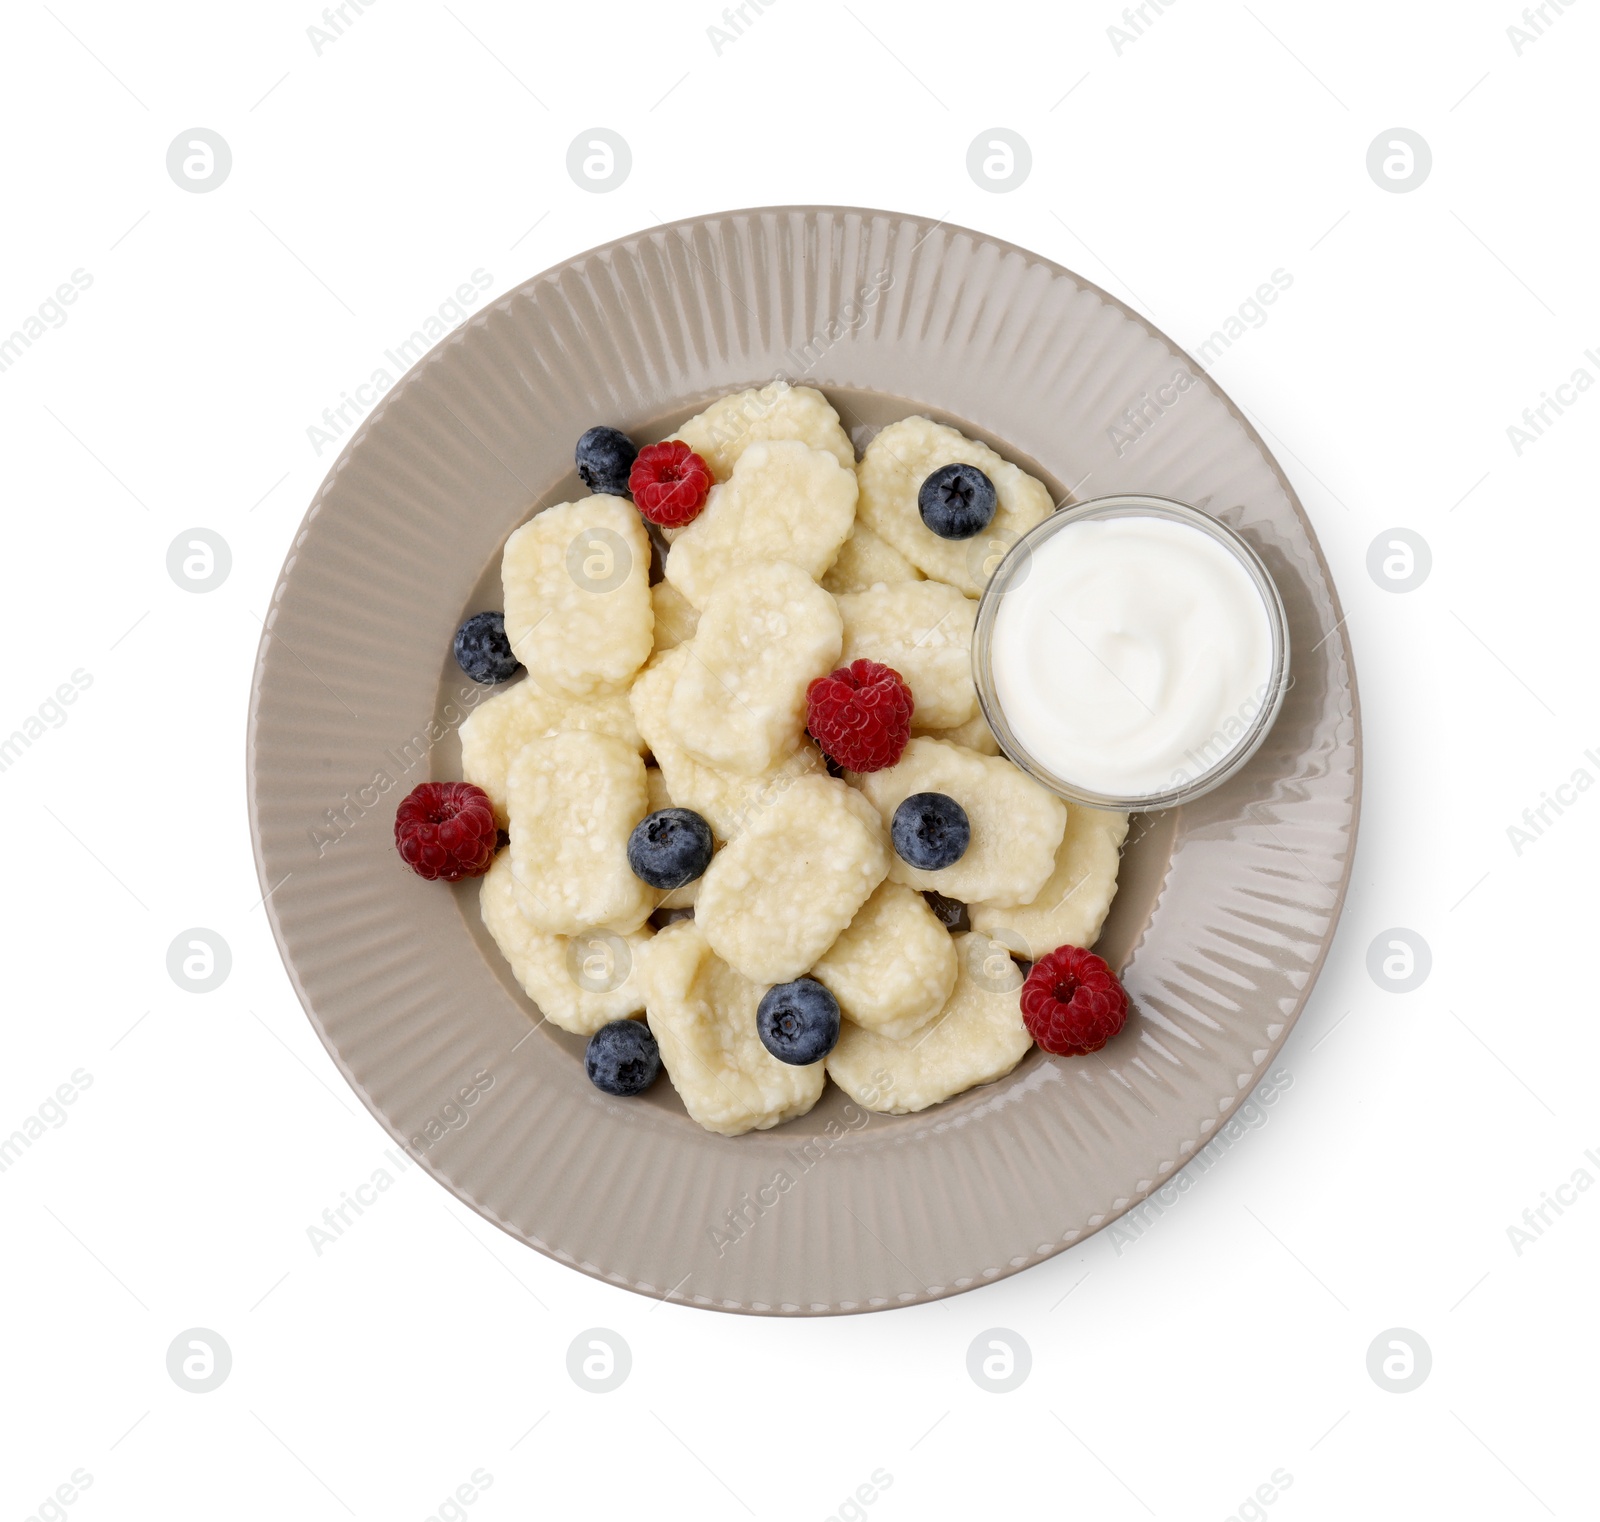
(1133, 655)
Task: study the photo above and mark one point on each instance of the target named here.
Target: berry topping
(669, 483)
(798, 1022)
(950, 912)
(860, 715)
(930, 831)
(483, 651)
(1072, 1002)
(957, 501)
(622, 1058)
(604, 457)
(669, 848)
(446, 830)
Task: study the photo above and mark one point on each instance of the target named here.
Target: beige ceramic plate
(1227, 905)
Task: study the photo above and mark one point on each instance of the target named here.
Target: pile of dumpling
(691, 693)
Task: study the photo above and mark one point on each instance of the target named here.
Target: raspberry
(860, 715)
(669, 483)
(446, 829)
(1072, 1002)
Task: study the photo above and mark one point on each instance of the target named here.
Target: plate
(1227, 905)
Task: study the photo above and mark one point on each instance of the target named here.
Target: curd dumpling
(893, 965)
(1072, 905)
(865, 560)
(703, 1016)
(579, 982)
(923, 629)
(784, 501)
(502, 724)
(976, 1038)
(676, 616)
(727, 801)
(577, 595)
(739, 701)
(574, 800)
(892, 470)
(975, 734)
(730, 425)
(1016, 824)
(775, 899)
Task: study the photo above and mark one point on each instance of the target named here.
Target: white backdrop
(1214, 1366)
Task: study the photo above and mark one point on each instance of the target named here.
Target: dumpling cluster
(691, 694)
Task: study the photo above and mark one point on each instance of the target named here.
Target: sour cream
(1131, 654)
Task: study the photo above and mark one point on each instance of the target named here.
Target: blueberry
(622, 1058)
(798, 1022)
(669, 848)
(605, 456)
(950, 912)
(483, 651)
(957, 501)
(930, 830)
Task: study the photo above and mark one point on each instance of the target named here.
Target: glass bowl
(1013, 570)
